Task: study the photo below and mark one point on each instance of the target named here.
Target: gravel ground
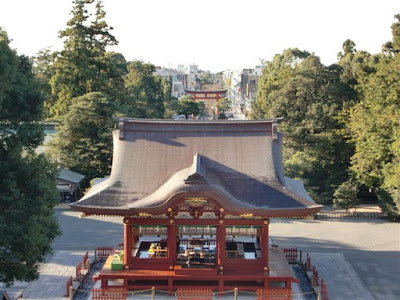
(87, 284)
(305, 285)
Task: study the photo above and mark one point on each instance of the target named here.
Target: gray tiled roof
(237, 163)
(70, 176)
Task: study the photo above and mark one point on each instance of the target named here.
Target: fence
(315, 276)
(109, 294)
(194, 294)
(344, 214)
(324, 294)
(308, 263)
(68, 285)
(102, 253)
(291, 253)
(78, 270)
(274, 294)
(84, 260)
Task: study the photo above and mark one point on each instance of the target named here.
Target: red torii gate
(206, 96)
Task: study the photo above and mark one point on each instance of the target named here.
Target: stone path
(341, 280)
(54, 275)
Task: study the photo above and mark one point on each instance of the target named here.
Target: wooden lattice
(102, 253)
(291, 253)
(109, 294)
(274, 294)
(194, 294)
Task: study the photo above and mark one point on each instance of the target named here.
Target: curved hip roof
(236, 163)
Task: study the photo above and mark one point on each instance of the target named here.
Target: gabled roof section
(197, 175)
(236, 163)
(70, 176)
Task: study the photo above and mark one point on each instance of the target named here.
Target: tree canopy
(27, 187)
(309, 96)
(341, 122)
(84, 142)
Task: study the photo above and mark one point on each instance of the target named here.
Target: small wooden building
(69, 185)
(197, 198)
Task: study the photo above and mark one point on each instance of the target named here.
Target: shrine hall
(197, 197)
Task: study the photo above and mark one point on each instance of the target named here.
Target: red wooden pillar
(221, 245)
(127, 242)
(171, 243)
(264, 235)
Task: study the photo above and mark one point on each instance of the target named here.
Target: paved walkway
(54, 275)
(341, 280)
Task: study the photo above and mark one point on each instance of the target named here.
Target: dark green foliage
(27, 185)
(309, 96)
(83, 66)
(375, 131)
(224, 105)
(146, 92)
(83, 142)
(186, 106)
(345, 196)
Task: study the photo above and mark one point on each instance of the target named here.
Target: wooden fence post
(319, 297)
(235, 293)
(88, 266)
(153, 292)
(71, 292)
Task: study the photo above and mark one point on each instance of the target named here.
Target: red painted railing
(84, 260)
(102, 253)
(291, 253)
(194, 294)
(308, 263)
(69, 283)
(109, 294)
(78, 270)
(324, 293)
(274, 294)
(315, 276)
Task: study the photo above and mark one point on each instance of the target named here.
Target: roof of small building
(70, 176)
(236, 163)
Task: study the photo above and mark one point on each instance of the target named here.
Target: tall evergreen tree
(27, 185)
(84, 141)
(82, 67)
(146, 92)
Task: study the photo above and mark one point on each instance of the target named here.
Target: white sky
(215, 34)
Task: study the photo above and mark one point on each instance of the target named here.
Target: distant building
(69, 185)
(242, 86)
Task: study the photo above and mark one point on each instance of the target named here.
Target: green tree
(374, 128)
(393, 46)
(27, 188)
(187, 107)
(83, 142)
(146, 92)
(83, 65)
(309, 96)
(345, 196)
(224, 105)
